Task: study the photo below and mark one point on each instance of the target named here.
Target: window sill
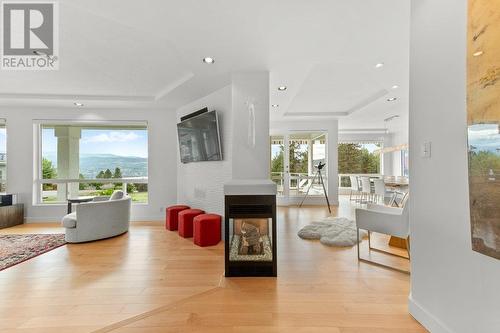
(66, 205)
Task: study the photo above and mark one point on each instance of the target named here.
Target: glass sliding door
(278, 162)
(294, 157)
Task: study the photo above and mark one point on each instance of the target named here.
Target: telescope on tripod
(318, 176)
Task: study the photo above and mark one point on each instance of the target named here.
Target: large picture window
(3, 157)
(358, 158)
(91, 160)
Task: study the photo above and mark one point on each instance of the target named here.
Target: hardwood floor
(151, 280)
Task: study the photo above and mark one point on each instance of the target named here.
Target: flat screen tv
(199, 138)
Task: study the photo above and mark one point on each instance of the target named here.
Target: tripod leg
(305, 196)
(324, 191)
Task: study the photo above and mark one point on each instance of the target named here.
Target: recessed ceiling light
(395, 86)
(379, 65)
(478, 53)
(208, 60)
(282, 88)
(78, 104)
(275, 105)
(392, 99)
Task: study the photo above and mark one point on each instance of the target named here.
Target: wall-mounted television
(199, 138)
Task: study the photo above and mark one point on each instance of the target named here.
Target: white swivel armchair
(385, 220)
(97, 220)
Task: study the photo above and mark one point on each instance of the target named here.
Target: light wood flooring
(151, 280)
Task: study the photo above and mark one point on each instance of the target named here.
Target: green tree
(82, 186)
(48, 169)
(298, 158)
(100, 175)
(108, 174)
(48, 172)
(353, 158)
(117, 173)
(482, 162)
(277, 161)
(131, 188)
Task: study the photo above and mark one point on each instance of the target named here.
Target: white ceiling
(148, 53)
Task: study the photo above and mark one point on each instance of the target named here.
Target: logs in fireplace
(250, 229)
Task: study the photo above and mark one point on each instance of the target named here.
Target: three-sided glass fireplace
(250, 235)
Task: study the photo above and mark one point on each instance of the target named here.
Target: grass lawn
(140, 197)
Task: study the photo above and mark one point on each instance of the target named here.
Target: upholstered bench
(186, 217)
(207, 229)
(171, 219)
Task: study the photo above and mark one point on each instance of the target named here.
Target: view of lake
(92, 164)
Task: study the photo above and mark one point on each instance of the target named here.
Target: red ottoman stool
(207, 229)
(172, 216)
(186, 221)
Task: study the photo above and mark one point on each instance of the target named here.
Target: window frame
(3, 123)
(38, 180)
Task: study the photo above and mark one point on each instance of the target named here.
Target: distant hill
(91, 164)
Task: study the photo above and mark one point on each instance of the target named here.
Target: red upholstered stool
(207, 229)
(186, 221)
(172, 216)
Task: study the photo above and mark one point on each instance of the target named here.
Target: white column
(250, 104)
(332, 162)
(310, 166)
(68, 159)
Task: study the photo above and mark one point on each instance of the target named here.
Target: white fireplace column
(68, 159)
(251, 156)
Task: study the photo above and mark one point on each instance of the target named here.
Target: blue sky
(115, 141)
(485, 137)
(3, 142)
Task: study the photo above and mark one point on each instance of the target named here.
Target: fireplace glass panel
(250, 239)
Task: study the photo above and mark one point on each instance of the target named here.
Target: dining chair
(398, 199)
(379, 186)
(354, 188)
(366, 189)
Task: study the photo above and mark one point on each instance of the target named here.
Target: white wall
(162, 161)
(453, 289)
(331, 128)
(200, 184)
(398, 138)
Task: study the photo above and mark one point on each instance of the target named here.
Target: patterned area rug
(15, 249)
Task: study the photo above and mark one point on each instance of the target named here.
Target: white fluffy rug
(332, 231)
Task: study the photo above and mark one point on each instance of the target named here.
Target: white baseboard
(309, 201)
(424, 317)
(159, 219)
